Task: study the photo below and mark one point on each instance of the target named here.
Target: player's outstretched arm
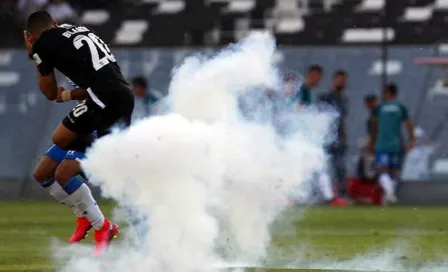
(410, 129)
(409, 126)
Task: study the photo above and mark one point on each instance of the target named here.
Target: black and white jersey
(82, 56)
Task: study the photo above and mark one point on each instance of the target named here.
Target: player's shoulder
(398, 104)
(65, 31)
(45, 42)
(402, 106)
(52, 33)
(49, 37)
(303, 87)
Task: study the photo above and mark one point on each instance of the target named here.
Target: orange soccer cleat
(104, 235)
(82, 229)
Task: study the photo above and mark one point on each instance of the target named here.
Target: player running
(386, 139)
(45, 175)
(107, 100)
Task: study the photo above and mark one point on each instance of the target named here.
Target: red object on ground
(365, 192)
(338, 202)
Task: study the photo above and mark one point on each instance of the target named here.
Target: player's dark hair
(391, 88)
(370, 98)
(315, 68)
(39, 20)
(140, 81)
(340, 73)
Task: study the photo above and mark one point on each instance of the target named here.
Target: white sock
(387, 184)
(84, 201)
(58, 193)
(326, 186)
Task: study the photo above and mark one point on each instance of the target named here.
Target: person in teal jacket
(313, 77)
(386, 139)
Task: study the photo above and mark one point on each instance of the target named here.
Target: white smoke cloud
(202, 172)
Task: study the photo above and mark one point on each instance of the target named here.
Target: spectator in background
(62, 11)
(304, 96)
(386, 139)
(145, 99)
(336, 99)
(364, 187)
(366, 164)
(370, 102)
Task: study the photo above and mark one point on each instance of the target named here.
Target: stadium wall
(27, 120)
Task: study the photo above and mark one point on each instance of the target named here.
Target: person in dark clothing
(365, 169)
(338, 101)
(303, 96)
(370, 102)
(145, 98)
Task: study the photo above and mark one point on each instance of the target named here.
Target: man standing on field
(386, 139)
(337, 149)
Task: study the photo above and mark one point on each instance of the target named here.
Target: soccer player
(386, 139)
(336, 99)
(313, 77)
(107, 100)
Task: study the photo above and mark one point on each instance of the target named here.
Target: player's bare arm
(68, 95)
(79, 94)
(48, 86)
(410, 129)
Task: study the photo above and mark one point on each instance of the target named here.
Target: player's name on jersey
(75, 30)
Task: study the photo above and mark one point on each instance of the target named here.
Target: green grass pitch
(310, 234)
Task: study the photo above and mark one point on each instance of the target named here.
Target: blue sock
(48, 183)
(73, 185)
